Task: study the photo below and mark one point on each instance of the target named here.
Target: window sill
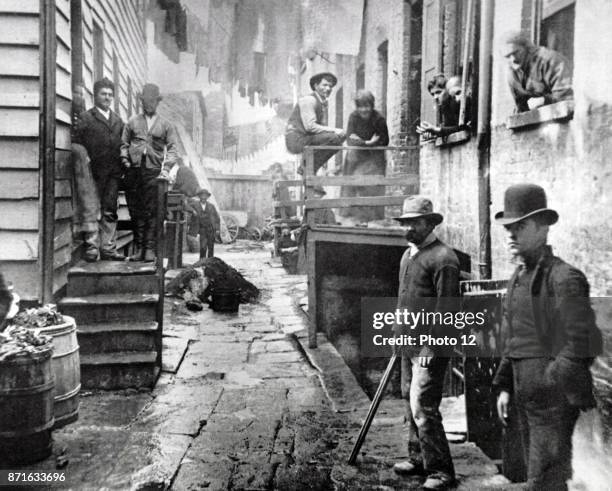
(560, 111)
(453, 139)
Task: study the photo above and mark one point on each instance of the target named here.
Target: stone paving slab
(173, 350)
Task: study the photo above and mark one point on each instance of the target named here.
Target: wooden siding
(20, 106)
(19, 166)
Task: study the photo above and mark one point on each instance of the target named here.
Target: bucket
(66, 367)
(225, 300)
(26, 406)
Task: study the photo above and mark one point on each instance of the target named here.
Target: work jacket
(565, 325)
(154, 147)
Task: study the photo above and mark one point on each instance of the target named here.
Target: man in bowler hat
(428, 279)
(148, 151)
(308, 124)
(550, 341)
(205, 221)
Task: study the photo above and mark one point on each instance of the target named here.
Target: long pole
(373, 408)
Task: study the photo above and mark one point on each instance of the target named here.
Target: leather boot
(138, 231)
(149, 256)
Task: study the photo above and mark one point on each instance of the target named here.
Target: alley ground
(243, 404)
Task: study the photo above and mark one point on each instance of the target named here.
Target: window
(555, 26)
(98, 52)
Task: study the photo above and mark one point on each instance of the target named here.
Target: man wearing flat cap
(428, 279)
(148, 151)
(308, 123)
(550, 341)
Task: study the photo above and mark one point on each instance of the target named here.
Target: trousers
(546, 423)
(422, 390)
(141, 197)
(207, 244)
(108, 192)
(296, 142)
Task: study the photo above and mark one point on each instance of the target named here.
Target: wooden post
(469, 30)
(162, 192)
(310, 251)
(48, 48)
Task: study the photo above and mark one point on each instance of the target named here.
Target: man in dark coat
(551, 339)
(308, 123)
(99, 131)
(206, 222)
(429, 280)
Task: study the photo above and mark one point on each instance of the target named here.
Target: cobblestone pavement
(243, 404)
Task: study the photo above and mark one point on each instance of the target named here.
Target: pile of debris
(18, 341)
(196, 283)
(38, 317)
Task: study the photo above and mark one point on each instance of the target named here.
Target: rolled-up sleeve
(309, 116)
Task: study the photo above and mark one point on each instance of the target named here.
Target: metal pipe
(484, 136)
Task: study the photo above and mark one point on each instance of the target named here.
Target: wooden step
(121, 307)
(107, 337)
(111, 277)
(119, 370)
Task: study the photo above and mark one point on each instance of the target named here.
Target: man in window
(537, 76)
(447, 100)
(551, 338)
(148, 150)
(308, 123)
(99, 131)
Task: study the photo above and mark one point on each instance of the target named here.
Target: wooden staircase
(118, 312)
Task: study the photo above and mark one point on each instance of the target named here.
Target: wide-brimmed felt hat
(523, 201)
(418, 207)
(150, 90)
(203, 191)
(315, 79)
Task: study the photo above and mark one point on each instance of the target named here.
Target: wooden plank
(62, 256)
(63, 58)
(18, 214)
(63, 164)
(18, 245)
(288, 202)
(63, 138)
(19, 85)
(312, 204)
(19, 29)
(87, 17)
(62, 116)
(20, 6)
(62, 234)
(63, 7)
(25, 276)
(19, 153)
(312, 289)
(63, 208)
(63, 188)
(60, 278)
(62, 30)
(19, 122)
(24, 61)
(320, 234)
(23, 99)
(63, 84)
(368, 180)
(19, 184)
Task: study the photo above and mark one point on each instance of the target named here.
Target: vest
(294, 124)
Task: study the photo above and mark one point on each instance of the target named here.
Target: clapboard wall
(113, 36)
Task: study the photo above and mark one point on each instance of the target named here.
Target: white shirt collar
(106, 114)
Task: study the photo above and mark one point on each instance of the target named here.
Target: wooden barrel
(67, 369)
(26, 406)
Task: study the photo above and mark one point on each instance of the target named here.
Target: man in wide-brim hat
(551, 339)
(429, 278)
(205, 221)
(308, 124)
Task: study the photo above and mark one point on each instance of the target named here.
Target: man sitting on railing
(307, 124)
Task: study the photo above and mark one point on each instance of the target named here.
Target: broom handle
(373, 408)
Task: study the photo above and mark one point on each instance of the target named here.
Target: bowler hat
(522, 201)
(417, 207)
(203, 191)
(315, 79)
(150, 90)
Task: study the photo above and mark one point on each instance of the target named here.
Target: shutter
(432, 54)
